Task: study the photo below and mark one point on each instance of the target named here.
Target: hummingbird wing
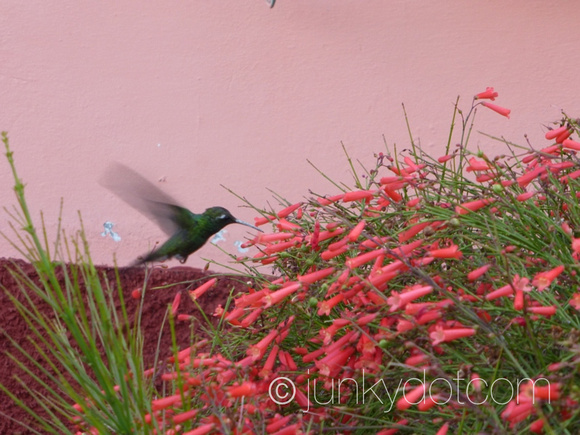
(146, 198)
(172, 215)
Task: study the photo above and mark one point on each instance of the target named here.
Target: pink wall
(232, 92)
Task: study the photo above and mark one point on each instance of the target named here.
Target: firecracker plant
(437, 295)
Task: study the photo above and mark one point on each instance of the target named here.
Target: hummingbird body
(188, 231)
(194, 230)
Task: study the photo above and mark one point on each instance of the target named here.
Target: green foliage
(86, 353)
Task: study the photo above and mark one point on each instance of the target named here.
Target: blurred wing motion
(144, 196)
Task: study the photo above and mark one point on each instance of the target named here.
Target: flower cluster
(462, 264)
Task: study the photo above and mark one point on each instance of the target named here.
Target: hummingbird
(187, 231)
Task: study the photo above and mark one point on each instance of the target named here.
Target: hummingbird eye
(223, 217)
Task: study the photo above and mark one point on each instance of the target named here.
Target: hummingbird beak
(248, 225)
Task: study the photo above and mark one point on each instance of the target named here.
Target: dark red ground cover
(154, 309)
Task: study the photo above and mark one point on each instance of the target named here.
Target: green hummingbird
(188, 231)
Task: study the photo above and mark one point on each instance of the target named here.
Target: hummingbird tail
(149, 258)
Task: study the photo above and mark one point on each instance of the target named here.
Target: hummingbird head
(223, 217)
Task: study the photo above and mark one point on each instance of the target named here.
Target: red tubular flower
(379, 279)
(443, 429)
(519, 300)
(555, 132)
(475, 274)
(516, 412)
(475, 381)
(537, 426)
(428, 316)
(563, 136)
(430, 401)
(557, 167)
(358, 195)
(528, 177)
(544, 279)
(411, 232)
(404, 250)
(165, 402)
(450, 252)
(441, 335)
(356, 231)
(273, 237)
(413, 397)
(576, 245)
(404, 326)
(575, 301)
(375, 298)
(263, 220)
(290, 430)
(328, 254)
(446, 158)
(251, 299)
(267, 238)
(366, 346)
(277, 296)
(477, 165)
(415, 308)
(246, 388)
(317, 275)
(377, 264)
(201, 430)
(338, 244)
(329, 200)
(485, 177)
(251, 318)
(532, 391)
(553, 149)
(525, 196)
(277, 423)
(359, 260)
(393, 431)
(570, 176)
(349, 337)
(374, 242)
(184, 416)
(175, 304)
(257, 350)
(309, 357)
(324, 307)
(331, 364)
(327, 334)
(392, 193)
(288, 210)
(315, 236)
(543, 311)
(397, 301)
(498, 109)
(282, 246)
(417, 360)
(571, 144)
(284, 225)
(412, 203)
(366, 319)
(470, 206)
(488, 94)
(195, 294)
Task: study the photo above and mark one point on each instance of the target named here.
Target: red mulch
(155, 306)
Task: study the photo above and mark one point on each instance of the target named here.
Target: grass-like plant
(93, 363)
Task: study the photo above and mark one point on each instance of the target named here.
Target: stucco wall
(202, 93)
